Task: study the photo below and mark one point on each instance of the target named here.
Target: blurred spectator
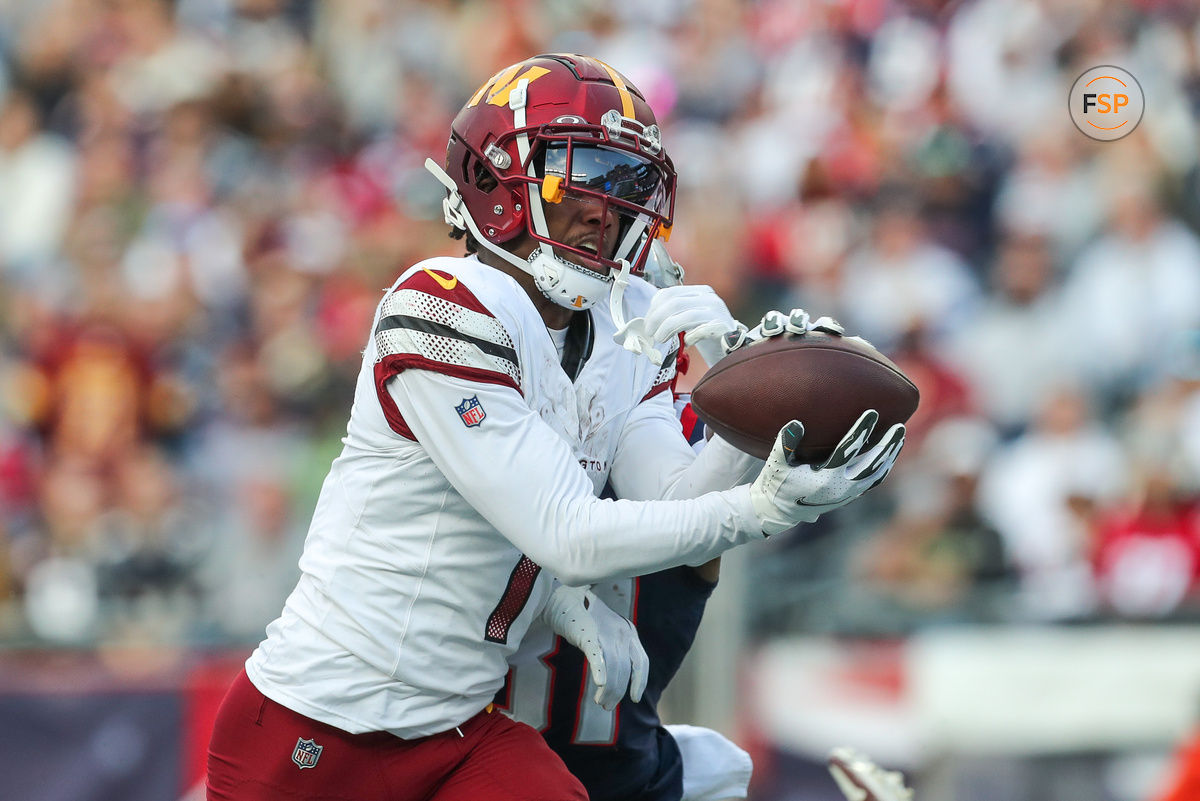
(902, 280)
(98, 390)
(1000, 48)
(37, 176)
(1146, 547)
(150, 545)
(944, 390)
(56, 559)
(1186, 372)
(938, 560)
(1014, 350)
(801, 249)
(251, 564)
(9, 611)
(1147, 550)
(1130, 290)
(1163, 425)
(1040, 492)
(1051, 193)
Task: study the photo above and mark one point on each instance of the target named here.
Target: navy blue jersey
(626, 754)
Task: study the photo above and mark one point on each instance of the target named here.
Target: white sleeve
(654, 461)
(524, 480)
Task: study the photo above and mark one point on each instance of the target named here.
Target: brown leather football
(823, 381)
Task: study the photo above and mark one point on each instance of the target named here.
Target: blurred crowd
(201, 201)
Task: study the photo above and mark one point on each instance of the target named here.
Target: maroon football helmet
(556, 127)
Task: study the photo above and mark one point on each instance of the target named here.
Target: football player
(493, 405)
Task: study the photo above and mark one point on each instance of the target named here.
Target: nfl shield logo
(471, 411)
(307, 753)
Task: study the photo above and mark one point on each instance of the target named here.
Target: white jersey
(471, 462)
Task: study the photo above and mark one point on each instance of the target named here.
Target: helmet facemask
(621, 186)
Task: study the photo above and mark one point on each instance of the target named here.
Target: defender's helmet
(554, 127)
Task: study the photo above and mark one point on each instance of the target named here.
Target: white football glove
(695, 311)
(860, 779)
(786, 493)
(610, 642)
(774, 323)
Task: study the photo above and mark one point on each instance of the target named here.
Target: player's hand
(786, 493)
(695, 311)
(775, 323)
(858, 777)
(614, 653)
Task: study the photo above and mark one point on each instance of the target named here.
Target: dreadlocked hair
(471, 245)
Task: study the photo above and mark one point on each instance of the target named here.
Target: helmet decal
(502, 83)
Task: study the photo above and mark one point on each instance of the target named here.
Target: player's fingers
(604, 697)
(711, 329)
(735, 339)
(888, 447)
(679, 322)
(773, 324)
(885, 463)
(827, 325)
(792, 433)
(641, 668)
(787, 444)
(595, 659)
(854, 440)
(665, 303)
(611, 693)
(797, 322)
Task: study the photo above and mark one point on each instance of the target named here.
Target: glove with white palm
(697, 312)
(610, 643)
(694, 310)
(786, 492)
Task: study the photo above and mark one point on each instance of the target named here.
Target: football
(823, 381)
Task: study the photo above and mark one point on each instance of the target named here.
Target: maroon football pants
(261, 751)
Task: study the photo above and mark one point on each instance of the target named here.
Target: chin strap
(630, 335)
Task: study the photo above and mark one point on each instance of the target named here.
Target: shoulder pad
(432, 321)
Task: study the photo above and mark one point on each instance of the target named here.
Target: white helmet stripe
(516, 101)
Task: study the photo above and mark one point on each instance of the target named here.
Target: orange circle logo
(1106, 103)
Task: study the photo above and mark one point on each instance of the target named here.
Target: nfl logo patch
(471, 411)
(307, 753)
